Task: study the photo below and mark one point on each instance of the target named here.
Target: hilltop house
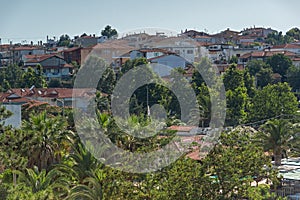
(18, 52)
(54, 66)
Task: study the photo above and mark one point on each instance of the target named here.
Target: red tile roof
(296, 59)
(287, 46)
(261, 54)
(182, 128)
(155, 50)
(72, 49)
(68, 66)
(39, 58)
(26, 48)
(52, 92)
(12, 98)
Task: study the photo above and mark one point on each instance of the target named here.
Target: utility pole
(148, 109)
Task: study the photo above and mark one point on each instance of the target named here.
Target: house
(295, 48)
(166, 63)
(18, 52)
(258, 31)
(226, 36)
(86, 41)
(148, 53)
(193, 33)
(63, 97)
(120, 60)
(140, 40)
(108, 51)
(205, 39)
(182, 46)
(296, 61)
(72, 55)
(13, 102)
(14, 99)
(5, 55)
(54, 66)
(262, 55)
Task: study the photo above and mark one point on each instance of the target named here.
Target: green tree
(233, 78)
(107, 82)
(79, 164)
(278, 135)
(109, 32)
(91, 187)
(294, 33)
(293, 79)
(264, 77)
(280, 64)
(54, 83)
(234, 163)
(272, 101)
(277, 38)
(34, 76)
(261, 71)
(64, 41)
(254, 66)
(12, 156)
(4, 114)
(10, 77)
(47, 135)
(236, 96)
(233, 59)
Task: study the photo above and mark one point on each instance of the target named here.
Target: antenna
(33, 86)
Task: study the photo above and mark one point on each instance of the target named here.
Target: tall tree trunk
(277, 156)
(14, 178)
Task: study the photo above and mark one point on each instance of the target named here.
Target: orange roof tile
(39, 58)
(182, 128)
(286, 46)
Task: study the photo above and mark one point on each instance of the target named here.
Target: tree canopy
(109, 32)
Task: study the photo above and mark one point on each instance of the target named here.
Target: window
(156, 54)
(190, 51)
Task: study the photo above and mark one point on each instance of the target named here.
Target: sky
(32, 20)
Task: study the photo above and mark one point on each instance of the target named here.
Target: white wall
(14, 120)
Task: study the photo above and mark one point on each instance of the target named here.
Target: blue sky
(34, 19)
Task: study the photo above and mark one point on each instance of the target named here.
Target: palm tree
(41, 182)
(279, 136)
(47, 136)
(81, 165)
(91, 187)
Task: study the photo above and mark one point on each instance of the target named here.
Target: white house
(183, 46)
(148, 53)
(20, 51)
(166, 63)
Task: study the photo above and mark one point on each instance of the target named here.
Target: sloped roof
(20, 48)
(181, 128)
(52, 92)
(72, 49)
(40, 58)
(261, 54)
(9, 97)
(287, 46)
